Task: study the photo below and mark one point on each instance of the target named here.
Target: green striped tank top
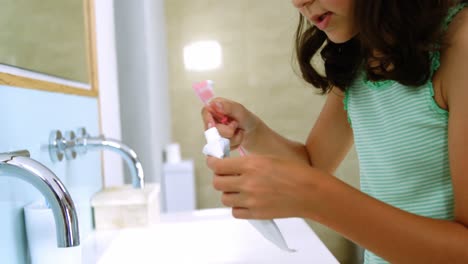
(401, 137)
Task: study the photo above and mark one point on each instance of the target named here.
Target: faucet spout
(19, 165)
(128, 154)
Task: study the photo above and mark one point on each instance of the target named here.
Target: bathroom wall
(30, 26)
(143, 94)
(27, 118)
(256, 39)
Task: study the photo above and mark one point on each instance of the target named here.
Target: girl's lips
(321, 21)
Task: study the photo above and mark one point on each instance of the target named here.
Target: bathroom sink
(214, 236)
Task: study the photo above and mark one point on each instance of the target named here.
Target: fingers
(247, 121)
(207, 117)
(214, 113)
(227, 131)
(241, 213)
(228, 184)
(231, 199)
(238, 204)
(236, 139)
(227, 166)
(228, 108)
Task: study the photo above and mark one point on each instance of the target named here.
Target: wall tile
(27, 118)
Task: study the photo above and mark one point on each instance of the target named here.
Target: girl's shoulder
(455, 39)
(457, 29)
(454, 56)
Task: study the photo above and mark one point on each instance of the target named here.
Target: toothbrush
(204, 91)
(267, 228)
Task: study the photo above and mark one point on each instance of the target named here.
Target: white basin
(214, 236)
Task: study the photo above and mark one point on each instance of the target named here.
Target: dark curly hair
(404, 32)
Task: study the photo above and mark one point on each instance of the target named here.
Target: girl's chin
(338, 38)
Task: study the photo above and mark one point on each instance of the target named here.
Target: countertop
(205, 236)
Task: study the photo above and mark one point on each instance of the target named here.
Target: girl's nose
(301, 3)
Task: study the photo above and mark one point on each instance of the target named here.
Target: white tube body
(219, 147)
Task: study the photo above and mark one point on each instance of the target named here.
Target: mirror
(48, 45)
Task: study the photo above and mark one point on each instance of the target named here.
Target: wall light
(202, 56)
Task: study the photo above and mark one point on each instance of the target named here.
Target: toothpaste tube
(218, 146)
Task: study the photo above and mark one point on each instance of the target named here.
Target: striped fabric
(401, 137)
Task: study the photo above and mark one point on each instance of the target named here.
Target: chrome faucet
(84, 142)
(18, 164)
(72, 144)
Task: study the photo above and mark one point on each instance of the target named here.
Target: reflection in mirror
(47, 44)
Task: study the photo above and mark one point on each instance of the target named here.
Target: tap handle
(6, 156)
(62, 145)
(82, 133)
(69, 141)
(16, 153)
(81, 140)
(56, 146)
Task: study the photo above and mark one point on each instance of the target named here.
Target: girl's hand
(259, 187)
(232, 120)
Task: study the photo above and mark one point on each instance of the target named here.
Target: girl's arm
(255, 186)
(396, 235)
(332, 136)
(399, 236)
(326, 146)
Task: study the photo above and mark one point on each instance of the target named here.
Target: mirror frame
(91, 57)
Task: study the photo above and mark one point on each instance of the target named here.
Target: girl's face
(334, 17)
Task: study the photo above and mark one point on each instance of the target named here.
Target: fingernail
(210, 125)
(219, 106)
(233, 124)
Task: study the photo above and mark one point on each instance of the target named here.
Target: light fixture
(202, 55)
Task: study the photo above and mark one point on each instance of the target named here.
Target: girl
(397, 87)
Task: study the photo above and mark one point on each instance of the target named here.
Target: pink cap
(204, 90)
